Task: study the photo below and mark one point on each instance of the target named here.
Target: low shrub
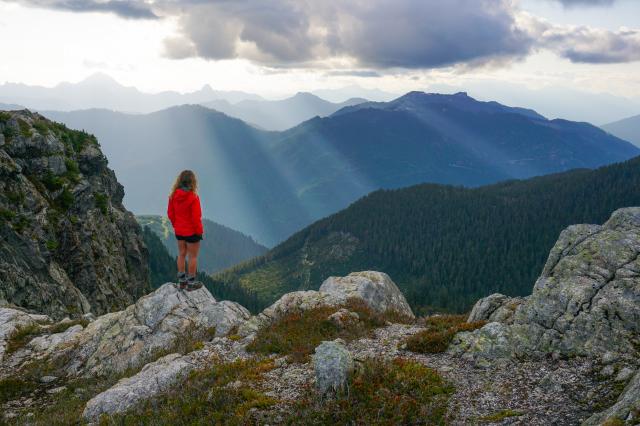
(25, 128)
(16, 197)
(500, 415)
(52, 182)
(12, 388)
(41, 126)
(6, 215)
(101, 202)
(73, 171)
(298, 334)
(439, 332)
(380, 393)
(9, 133)
(64, 200)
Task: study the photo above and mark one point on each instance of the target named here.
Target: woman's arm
(196, 215)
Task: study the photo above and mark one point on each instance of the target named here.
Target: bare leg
(192, 252)
(182, 253)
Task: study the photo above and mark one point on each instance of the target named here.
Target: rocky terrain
(352, 351)
(67, 244)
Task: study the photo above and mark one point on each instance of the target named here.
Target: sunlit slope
(445, 246)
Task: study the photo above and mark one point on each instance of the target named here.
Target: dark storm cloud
(572, 3)
(129, 9)
(589, 45)
(376, 33)
(366, 34)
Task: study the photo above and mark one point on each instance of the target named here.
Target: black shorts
(190, 239)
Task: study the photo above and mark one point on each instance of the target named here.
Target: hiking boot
(182, 280)
(192, 284)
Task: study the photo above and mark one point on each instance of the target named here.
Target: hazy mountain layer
(283, 114)
(270, 184)
(628, 129)
(101, 91)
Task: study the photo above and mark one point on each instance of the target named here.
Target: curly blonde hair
(186, 179)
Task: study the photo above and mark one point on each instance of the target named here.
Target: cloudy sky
(277, 47)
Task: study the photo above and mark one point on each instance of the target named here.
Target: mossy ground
(380, 393)
(500, 415)
(439, 333)
(298, 334)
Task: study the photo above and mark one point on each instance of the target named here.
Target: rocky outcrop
(67, 244)
(11, 320)
(153, 379)
(495, 308)
(165, 321)
(626, 408)
(376, 289)
(585, 303)
(332, 364)
(161, 322)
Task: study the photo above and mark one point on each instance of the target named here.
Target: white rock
(47, 344)
(332, 363)
(153, 379)
(13, 319)
(376, 289)
(157, 323)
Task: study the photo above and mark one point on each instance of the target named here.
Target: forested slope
(445, 246)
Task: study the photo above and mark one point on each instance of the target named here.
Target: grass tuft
(439, 332)
(381, 393)
(24, 335)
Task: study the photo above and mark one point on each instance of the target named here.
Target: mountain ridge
(271, 184)
(627, 128)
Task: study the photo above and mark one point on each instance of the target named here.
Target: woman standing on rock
(185, 214)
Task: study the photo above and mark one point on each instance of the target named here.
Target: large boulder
(495, 308)
(159, 323)
(585, 303)
(294, 302)
(332, 363)
(376, 289)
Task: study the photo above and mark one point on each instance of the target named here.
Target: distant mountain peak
(305, 95)
(101, 79)
(207, 89)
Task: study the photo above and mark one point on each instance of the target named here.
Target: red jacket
(185, 213)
